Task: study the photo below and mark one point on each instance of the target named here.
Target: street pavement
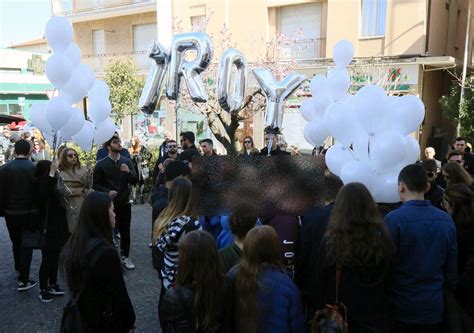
(24, 312)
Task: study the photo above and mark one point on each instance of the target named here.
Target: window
(197, 21)
(143, 36)
(301, 23)
(374, 15)
(98, 41)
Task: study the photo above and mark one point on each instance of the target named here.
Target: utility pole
(464, 68)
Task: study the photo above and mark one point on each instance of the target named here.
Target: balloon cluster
(173, 66)
(371, 129)
(57, 119)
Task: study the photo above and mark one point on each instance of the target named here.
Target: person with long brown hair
(75, 177)
(248, 147)
(458, 200)
(454, 173)
(266, 299)
(173, 223)
(201, 299)
(93, 270)
(140, 158)
(356, 243)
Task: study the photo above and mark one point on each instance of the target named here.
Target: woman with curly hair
(454, 173)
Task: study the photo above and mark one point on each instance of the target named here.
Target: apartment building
(414, 41)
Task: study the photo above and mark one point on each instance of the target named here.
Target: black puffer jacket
(177, 311)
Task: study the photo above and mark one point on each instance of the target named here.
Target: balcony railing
(73, 7)
(302, 49)
(99, 62)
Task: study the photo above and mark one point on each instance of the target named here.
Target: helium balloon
(339, 83)
(387, 149)
(231, 99)
(104, 131)
(153, 88)
(357, 171)
(85, 137)
(99, 110)
(73, 53)
(58, 112)
(76, 88)
(58, 70)
(59, 33)
(189, 70)
(342, 53)
(307, 109)
(337, 156)
(315, 133)
(99, 89)
(74, 125)
(338, 120)
(385, 188)
(276, 94)
(318, 85)
(407, 115)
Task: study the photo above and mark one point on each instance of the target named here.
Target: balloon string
(176, 108)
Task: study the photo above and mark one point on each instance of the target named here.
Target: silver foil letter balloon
(230, 98)
(189, 70)
(276, 93)
(151, 92)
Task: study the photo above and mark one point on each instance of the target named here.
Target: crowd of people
(406, 267)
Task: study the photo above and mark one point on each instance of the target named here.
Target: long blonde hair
(179, 204)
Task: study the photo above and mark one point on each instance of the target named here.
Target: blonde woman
(140, 158)
(75, 181)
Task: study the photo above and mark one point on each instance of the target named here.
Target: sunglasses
(247, 141)
(72, 155)
(430, 174)
(459, 161)
(172, 146)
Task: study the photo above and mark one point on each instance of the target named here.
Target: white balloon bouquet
(371, 129)
(57, 119)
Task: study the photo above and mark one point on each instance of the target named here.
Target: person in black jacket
(114, 175)
(54, 222)
(16, 204)
(186, 140)
(358, 243)
(201, 301)
(275, 148)
(98, 287)
(435, 193)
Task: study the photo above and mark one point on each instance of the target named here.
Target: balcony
(99, 62)
(302, 49)
(85, 10)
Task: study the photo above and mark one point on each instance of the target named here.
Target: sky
(22, 20)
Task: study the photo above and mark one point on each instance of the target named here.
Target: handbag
(145, 173)
(333, 318)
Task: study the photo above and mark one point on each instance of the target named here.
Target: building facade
(409, 43)
(22, 81)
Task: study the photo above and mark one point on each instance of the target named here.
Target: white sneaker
(128, 263)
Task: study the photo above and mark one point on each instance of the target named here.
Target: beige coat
(77, 182)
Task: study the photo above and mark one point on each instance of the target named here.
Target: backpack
(333, 317)
(72, 320)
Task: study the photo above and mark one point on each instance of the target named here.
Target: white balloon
(58, 70)
(337, 156)
(408, 113)
(73, 53)
(339, 83)
(413, 151)
(357, 171)
(387, 149)
(318, 85)
(343, 53)
(99, 109)
(76, 88)
(315, 133)
(385, 188)
(85, 137)
(320, 104)
(307, 109)
(104, 131)
(99, 89)
(59, 33)
(338, 120)
(58, 112)
(74, 125)
(38, 116)
(369, 106)
(87, 72)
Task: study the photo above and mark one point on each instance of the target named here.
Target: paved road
(24, 312)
